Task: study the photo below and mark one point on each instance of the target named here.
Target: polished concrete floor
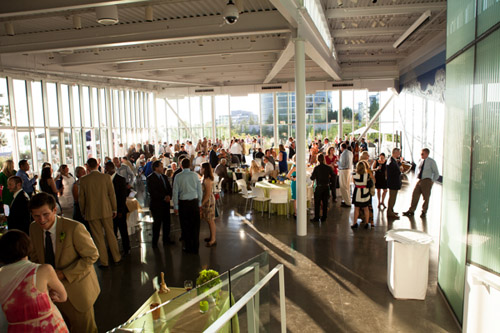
(335, 277)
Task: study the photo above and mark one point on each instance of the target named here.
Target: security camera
(231, 13)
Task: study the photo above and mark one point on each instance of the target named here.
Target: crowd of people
(78, 217)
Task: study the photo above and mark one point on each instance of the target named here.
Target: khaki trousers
(423, 187)
(78, 321)
(345, 185)
(102, 227)
(393, 194)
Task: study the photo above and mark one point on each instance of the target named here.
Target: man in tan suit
(68, 247)
(98, 205)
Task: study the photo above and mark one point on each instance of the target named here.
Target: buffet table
(190, 320)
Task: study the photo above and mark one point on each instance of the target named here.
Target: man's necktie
(421, 170)
(49, 250)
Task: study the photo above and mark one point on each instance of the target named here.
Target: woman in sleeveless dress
(379, 166)
(27, 289)
(66, 198)
(48, 185)
(282, 160)
(208, 202)
(292, 175)
(361, 196)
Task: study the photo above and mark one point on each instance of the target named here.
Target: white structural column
(300, 123)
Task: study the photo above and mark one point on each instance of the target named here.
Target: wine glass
(188, 285)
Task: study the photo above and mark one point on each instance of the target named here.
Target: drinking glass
(188, 285)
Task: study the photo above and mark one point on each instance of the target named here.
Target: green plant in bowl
(207, 279)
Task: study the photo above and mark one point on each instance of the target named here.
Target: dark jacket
(322, 174)
(158, 191)
(121, 192)
(213, 159)
(393, 174)
(19, 213)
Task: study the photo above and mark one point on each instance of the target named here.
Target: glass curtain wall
(260, 114)
(470, 233)
(55, 122)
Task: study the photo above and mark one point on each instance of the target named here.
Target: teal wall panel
(488, 14)
(460, 25)
(484, 224)
(456, 174)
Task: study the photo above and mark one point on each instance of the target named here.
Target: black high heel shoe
(207, 239)
(354, 226)
(211, 245)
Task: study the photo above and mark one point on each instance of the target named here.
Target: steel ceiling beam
(368, 32)
(144, 33)
(181, 51)
(12, 9)
(283, 59)
(198, 62)
(366, 46)
(355, 12)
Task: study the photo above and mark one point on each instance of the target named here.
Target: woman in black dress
(379, 166)
(48, 185)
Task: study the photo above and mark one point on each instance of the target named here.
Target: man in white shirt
(159, 149)
(427, 173)
(345, 170)
(268, 167)
(236, 149)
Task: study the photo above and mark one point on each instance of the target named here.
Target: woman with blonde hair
(7, 171)
(255, 172)
(208, 202)
(361, 196)
(365, 158)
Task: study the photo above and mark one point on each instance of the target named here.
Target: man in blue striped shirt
(427, 173)
(187, 195)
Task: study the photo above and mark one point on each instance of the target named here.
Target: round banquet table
(267, 187)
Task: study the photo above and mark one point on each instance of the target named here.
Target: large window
(222, 116)
(244, 115)
(37, 99)
(20, 102)
(4, 103)
(53, 110)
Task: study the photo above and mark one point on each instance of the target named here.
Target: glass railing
(195, 310)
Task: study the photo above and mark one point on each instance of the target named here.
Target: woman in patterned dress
(27, 289)
(208, 202)
(361, 196)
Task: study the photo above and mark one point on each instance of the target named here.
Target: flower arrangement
(62, 236)
(210, 276)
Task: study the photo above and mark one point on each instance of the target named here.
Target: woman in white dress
(66, 195)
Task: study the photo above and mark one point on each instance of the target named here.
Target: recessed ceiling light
(107, 15)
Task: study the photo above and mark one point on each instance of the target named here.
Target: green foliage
(347, 113)
(374, 106)
(207, 275)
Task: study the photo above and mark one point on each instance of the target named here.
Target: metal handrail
(248, 299)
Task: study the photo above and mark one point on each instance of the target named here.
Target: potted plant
(207, 279)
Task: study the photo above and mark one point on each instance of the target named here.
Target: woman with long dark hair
(208, 202)
(48, 185)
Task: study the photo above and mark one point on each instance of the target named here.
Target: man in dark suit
(149, 149)
(212, 158)
(322, 174)
(19, 213)
(121, 193)
(160, 192)
(393, 181)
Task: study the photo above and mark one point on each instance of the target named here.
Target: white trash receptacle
(408, 263)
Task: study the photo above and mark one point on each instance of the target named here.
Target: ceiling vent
(340, 85)
(271, 88)
(204, 90)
